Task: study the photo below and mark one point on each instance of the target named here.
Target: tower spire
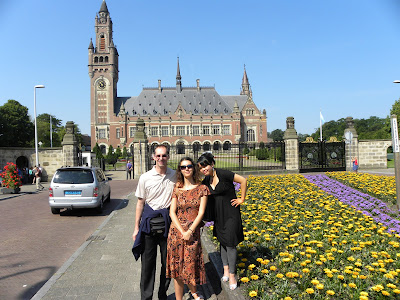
(245, 84)
(103, 7)
(178, 79)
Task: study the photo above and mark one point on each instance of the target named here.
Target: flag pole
(320, 126)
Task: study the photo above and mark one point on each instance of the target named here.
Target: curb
(46, 287)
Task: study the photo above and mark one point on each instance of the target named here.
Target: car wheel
(108, 199)
(99, 208)
(55, 211)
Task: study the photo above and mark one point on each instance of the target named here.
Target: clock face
(101, 84)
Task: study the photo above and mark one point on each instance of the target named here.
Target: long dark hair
(179, 176)
(206, 159)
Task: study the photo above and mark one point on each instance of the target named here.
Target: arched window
(102, 42)
(96, 59)
(106, 59)
(251, 137)
(180, 148)
(226, 146)
(216, 146)
(206, 146)
(196, 147)
(101, 58)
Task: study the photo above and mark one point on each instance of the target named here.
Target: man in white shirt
(155, 190)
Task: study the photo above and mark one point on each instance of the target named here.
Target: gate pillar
(291, 146)
(351, 146)
(140, 150)
(70, 145)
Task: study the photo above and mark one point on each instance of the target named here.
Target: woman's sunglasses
(184, 167)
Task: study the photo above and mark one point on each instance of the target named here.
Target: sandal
(233, 286)
(225, 278)
(199, 296)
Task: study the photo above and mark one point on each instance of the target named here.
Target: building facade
(178, 115)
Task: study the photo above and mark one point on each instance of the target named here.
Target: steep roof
(204, 101)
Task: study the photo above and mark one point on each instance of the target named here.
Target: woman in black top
(228, 222)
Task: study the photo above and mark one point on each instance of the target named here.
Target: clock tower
(103, 73)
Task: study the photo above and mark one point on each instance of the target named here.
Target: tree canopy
(16, 127)
(43, 128)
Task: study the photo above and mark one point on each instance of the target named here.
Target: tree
(277, 135)
(43, 129)
(331, 128)
(124, 152)
(16, 128)
(118, 152)
(111, 157)
(302, 137)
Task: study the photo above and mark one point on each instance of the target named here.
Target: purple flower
(369, 205)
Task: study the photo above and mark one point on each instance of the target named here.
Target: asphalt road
(34, 243)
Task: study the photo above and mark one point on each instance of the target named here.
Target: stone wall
(50, 159)
(372, 154)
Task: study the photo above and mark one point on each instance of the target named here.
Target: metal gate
(322, 156)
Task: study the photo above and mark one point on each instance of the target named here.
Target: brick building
(178, 115)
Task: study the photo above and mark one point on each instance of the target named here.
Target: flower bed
(382, 187)
(303, 243)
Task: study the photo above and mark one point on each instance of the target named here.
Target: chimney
(198, 84)
(159, 85)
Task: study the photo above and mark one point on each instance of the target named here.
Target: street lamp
(34, 108)
(396, 153)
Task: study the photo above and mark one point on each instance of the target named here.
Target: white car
(79, 187)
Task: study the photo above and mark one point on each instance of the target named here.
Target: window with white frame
(206, 129)
(117, 133)
(196, 130)
(172, 130)
(102, 133)
(180, 130)
(154, 130)
(226, 129)
(251, 137)
(164, 130)
(216, 129)
(132, 131)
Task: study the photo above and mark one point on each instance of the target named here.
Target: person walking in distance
(154, 193)
(129, 169)
(38, 177)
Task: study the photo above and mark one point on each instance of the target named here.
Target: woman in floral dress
(184, 254)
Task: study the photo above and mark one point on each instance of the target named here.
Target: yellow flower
(352, 285)
(396, 291)
(272, 268)
(330, 292)
(287, 298)
(320, 286)
(253, 294)
(245, 279)
(254, 277)
(341, 277)
(314, 281)
(251, 267)
(385, 293)
(306, 270)
(280, 275)
(264, 271)
(310, 291)
(377, 288)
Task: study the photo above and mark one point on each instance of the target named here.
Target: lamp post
(34, 108)
(396, 153)
(51, 133)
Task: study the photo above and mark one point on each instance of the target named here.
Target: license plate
(73, 193)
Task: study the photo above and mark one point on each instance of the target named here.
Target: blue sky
(301, 56)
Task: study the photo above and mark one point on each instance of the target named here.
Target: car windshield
(73, 176)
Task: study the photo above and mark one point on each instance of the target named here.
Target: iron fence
(234, 157)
